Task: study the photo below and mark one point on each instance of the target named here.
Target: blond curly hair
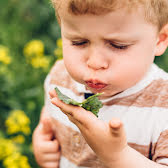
(155, 11)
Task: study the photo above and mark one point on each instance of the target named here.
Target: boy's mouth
(95, 84)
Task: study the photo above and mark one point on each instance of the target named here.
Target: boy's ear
(162, 43)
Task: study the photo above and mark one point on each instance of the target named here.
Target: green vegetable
(92, 103)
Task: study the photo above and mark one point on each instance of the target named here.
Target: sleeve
(52, 80)
(58, 77)
(160, 147)
(46, 90)
(47, 87)
(50, 83)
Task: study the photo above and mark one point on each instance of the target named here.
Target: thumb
(118, 133)
(47, 128)
(117, 128)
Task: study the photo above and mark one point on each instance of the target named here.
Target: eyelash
(75, 43)
(122, 47)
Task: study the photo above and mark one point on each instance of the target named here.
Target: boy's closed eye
(84, 43)
(79, 43)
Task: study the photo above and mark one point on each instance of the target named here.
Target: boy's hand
(46, 149)
(108, 140)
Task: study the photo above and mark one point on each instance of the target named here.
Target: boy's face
(108, 53)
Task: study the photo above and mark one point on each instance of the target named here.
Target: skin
(95, 56)
(89, 52)
(115, 152)
(46, 148)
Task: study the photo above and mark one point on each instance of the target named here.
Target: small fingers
(115, 123)
(72, 110)
(76, 114)
(50, 147)
(117, 128)
(52, 157)
(51, 165)
(52, 93)
(48, 160)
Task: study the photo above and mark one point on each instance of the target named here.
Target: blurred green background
(29, 45)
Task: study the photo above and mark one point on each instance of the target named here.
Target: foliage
(29, 35)
(18, 127)
(21, 88)
(162, 61)
(92, 103)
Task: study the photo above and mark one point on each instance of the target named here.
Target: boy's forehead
(115, 17)
(117, 21)
(96, 7)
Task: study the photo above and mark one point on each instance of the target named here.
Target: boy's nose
(97, 61)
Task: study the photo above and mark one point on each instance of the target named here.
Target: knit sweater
(143, 109)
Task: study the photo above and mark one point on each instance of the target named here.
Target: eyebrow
(113, 38)
(121, 38)
(73, 36)
(122, 41)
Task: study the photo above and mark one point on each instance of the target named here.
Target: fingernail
(54, 100)
(115, 124)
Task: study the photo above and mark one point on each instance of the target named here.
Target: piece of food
(92, 103)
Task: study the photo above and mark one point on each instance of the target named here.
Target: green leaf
(66, 99)
(92, 103)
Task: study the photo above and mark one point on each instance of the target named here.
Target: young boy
(108, 46)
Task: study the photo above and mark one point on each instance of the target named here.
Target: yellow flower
(59, 43)
(26, 130)
(58, 51)
(6, 148)
(31, 147)
(12, 128)
(34, 48)
(16, 160)
(4, 57)
(40, 62)
(18, 122)
(20, 139)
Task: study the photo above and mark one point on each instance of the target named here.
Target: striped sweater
(142, 108)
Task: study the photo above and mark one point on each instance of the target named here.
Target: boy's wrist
(116, 159)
